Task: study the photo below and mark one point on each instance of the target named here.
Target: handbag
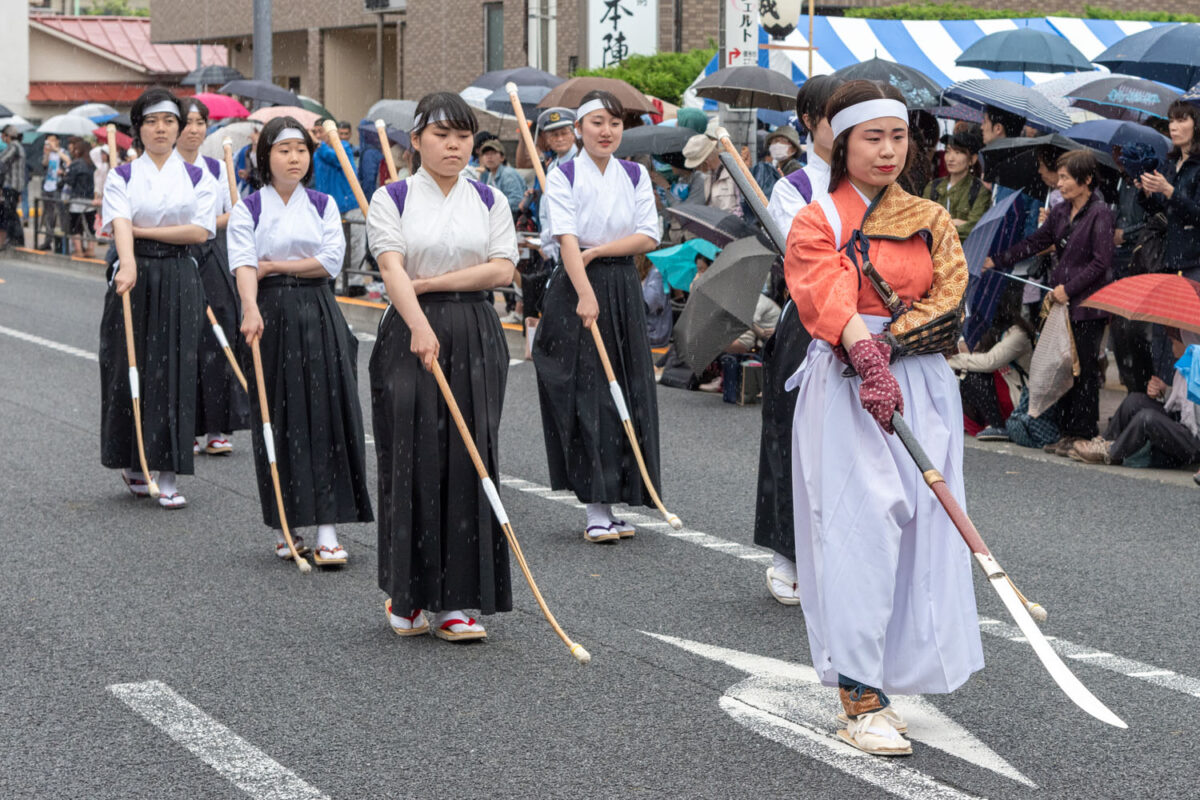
(1147, 254)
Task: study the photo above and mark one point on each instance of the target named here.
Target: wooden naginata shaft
(1021, 609)
(489, 488)
(381, 129)
(526, 136)
(269, 445)
(130, 348)
(727, 143)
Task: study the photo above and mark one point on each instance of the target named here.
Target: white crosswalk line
(238, 761)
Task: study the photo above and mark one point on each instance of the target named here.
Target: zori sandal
(459, 628)
(172, 501)
(624, 529)
(326, 556)
(138, 487)
(281, 548)
(601, 533)
(414, 625)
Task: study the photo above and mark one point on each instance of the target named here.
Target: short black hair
(343, 124)
(152, 96)
(453, 110)
(1012, 123)
(814, 96)
(1182, 109)
(607, 99)
(262, 150)
(191, 104)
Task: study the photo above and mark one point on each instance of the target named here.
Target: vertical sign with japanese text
(618, 29)
(741, 33)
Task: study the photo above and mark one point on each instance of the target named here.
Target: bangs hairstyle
(137, 115)
(607, 99)
(262, 150)
(813, 97)
(1181, 109)
(191, 104)
(852, 93)
(1081, 166)
(458, 116)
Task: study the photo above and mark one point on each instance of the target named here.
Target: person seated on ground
(994, 375)
(961, 191)
(1171, 429)
(766, 318)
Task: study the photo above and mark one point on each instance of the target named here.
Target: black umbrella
(1167, 53)
(722, 302)
(1013, 162)
(521, 76)
(749, 87)
(919, 90)
(212, 75)
(712, 224)
(262, 91)
(655, 140)
(1122, 97)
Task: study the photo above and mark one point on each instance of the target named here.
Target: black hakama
(586, 445)
(221, 404)
(309, 361)
(440, 546)
(774, 524)
(167, 303)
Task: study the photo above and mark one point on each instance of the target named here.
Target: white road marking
(365, 337)
(1158, 676)
(53, 345)
(786, 703)
(238, 761)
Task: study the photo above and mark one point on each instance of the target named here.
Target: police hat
(555, 118)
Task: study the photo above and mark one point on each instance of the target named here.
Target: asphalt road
(293, 686)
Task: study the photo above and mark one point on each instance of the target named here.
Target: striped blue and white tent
(928, 45)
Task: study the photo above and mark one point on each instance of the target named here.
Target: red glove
(880, 393)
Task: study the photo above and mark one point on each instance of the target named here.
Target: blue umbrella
(1012, 97)
(1104, 134)
(529, 95)
(1123, 97)
(1024, 50)
(1166, 53)
(998, 229)
(368, 136)
(678, 264)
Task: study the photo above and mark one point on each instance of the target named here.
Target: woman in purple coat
(1081, 232)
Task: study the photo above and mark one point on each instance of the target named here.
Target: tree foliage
(665, 75)
(954, 10)
(115, 8)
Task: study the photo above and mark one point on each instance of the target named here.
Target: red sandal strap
(457, 621)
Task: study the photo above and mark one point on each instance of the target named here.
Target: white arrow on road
(786, 702)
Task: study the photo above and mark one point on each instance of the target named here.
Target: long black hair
(849, 94)
(813, 97)
(137, 115)
(453, 111)
(1182, 109)
(607, 99)
(266, 138)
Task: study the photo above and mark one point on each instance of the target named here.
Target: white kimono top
(152, 198)
(600, 208)
(307, 226)
(436, 233)
(214, 171)
(549, 245)
(786, 200)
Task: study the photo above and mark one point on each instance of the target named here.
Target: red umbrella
(222, 106)
(1171, 300)
(123, 141)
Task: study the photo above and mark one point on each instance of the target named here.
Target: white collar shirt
(291, 231)
(601, 207)
(786, 200)
(158, 198)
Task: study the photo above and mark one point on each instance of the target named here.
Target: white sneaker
(873, 733)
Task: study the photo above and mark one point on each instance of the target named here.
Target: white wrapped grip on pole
(133, 383)
(269, 442)
(220, 334)
(493, 497)
(619, 399)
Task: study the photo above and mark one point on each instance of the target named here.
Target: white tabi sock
(785, 568)
(166, 483)
(599, 515)
(326, 536)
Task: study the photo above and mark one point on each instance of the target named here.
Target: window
(293, 83)
(493, 36)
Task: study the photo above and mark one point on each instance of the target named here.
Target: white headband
(858, 113)
(589, 107)
(287, 134)
(161, 106)
(420, 123)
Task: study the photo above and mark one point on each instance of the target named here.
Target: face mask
(780, 151)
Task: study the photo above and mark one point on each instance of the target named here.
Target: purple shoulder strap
(568, 168)
(803, 185)
(485, 193)
(125, 171)
(194, 172)
(319, 200)
(398, 191)
(214, 166)
(632, 170)
(253, 202)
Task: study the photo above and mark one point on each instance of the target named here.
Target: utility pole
(263, 57)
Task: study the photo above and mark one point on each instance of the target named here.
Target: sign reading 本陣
(618, 29)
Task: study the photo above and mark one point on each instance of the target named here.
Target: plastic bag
(1055, 364)
(1189, 365)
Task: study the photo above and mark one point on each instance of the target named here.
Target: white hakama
(884, 577)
